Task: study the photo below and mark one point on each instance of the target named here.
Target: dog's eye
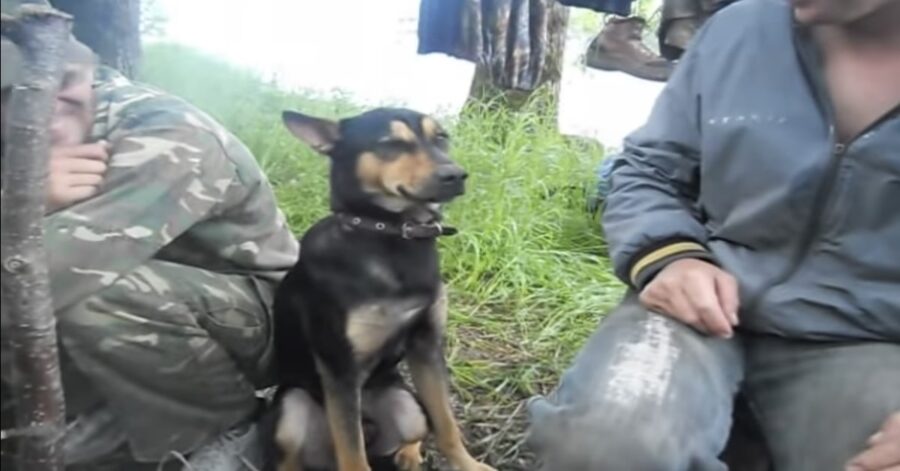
(442, 140)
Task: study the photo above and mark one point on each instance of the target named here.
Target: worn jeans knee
(606, 437)
(645, 393)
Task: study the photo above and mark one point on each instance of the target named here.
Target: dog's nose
(449, 174)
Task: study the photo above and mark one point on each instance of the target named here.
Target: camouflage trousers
(176, 353)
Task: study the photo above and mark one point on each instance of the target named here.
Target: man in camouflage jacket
(165, 244)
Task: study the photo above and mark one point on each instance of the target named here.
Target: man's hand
(883, 452)
(75, 173)
(696, 293)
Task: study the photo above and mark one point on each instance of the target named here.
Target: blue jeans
(649, 393)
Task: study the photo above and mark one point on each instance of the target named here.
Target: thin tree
(527, 41)
(41, 34)
(111, 28)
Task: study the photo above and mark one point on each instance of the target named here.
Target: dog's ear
(320, 134)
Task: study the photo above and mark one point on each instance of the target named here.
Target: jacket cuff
(650, 261)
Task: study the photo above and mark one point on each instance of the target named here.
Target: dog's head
(385, 160)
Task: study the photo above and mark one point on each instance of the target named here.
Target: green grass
(528, 276)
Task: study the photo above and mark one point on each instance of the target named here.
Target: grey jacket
(738, 164)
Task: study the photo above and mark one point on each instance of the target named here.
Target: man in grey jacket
(756, 217)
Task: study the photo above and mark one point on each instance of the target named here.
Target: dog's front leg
(428, 369)
(343, 409)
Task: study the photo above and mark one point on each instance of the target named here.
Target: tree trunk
(42, 34)
(111, 28)
(546, 31)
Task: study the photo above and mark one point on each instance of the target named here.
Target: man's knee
(109, 328)
(645, 393)
(163, 303)
(142, 339)
(607, 437)
(142, 300)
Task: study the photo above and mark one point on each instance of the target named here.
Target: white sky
(367, 49)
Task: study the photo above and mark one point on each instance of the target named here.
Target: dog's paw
(409, 457)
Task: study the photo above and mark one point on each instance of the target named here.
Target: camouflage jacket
(179, 188)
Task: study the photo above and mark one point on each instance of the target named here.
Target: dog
(366, 294)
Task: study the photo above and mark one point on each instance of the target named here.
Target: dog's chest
(372, 324)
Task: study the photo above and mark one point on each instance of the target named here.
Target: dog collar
(405, 230)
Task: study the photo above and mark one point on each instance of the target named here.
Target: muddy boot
(619, 47)
(679, 23)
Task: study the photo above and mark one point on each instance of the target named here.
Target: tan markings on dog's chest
(369, 326)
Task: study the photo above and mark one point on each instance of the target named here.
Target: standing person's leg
(174, 351)
(817, 402)
(645, 393)
(620, 47)
(619, 44)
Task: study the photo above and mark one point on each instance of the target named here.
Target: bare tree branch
(42, 34)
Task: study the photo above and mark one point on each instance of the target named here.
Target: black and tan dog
(365, 294)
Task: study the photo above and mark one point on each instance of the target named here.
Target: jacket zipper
(822, 198)
(809, 61)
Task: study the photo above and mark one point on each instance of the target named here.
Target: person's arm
(656, 239)
(159, 183)
(649, 219)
